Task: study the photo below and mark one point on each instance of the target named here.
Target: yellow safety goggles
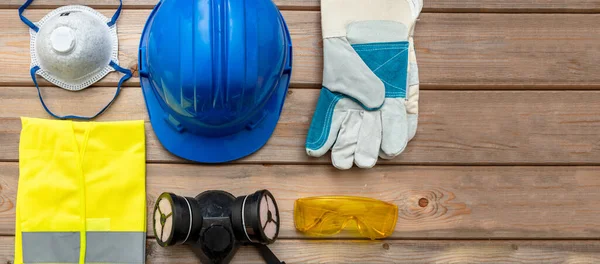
(329, 215)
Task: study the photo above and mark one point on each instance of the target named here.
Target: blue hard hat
(215, 74)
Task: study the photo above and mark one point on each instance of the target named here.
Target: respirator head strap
(268, 255)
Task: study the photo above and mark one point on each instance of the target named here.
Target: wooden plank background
(395, 251)
(472, 202)
(455, 51)
(455, 127)
(512, 6)
(507, 154)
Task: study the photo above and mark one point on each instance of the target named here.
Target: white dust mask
(74, 47)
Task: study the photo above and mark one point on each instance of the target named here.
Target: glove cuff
(337, 14)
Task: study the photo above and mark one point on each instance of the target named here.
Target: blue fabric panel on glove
(321, 122)
(389, 62)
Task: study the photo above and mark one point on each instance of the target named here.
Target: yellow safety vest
(82, 192)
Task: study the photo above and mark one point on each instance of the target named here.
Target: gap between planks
(409, 239)
(431, 6)
(298, 251)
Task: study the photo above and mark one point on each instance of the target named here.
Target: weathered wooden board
(145, 4)
(14, 46)
(456, 51)
(456, 127)
(462, 45)
(571, 6)
(513, 6)
(409, 251)
(303, 251)
(477, 202)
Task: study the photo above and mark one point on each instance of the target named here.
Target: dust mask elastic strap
(127, 75)
(28, 22)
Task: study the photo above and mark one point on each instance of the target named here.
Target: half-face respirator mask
(216, 223)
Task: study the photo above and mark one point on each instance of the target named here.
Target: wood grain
(456, 51)
(456, 127)
(513, 6)
(14, 46)
(147, 4)
(447, 214)
(477, 202)
(554, 6)
(409, 251)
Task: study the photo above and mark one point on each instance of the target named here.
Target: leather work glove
(362, 109)
(412, 102)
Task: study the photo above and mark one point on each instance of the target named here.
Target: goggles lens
(329, 215)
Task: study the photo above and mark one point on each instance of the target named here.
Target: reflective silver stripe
(115, 247)
(50, 247)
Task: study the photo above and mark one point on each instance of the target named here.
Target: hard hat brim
(206, 149)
